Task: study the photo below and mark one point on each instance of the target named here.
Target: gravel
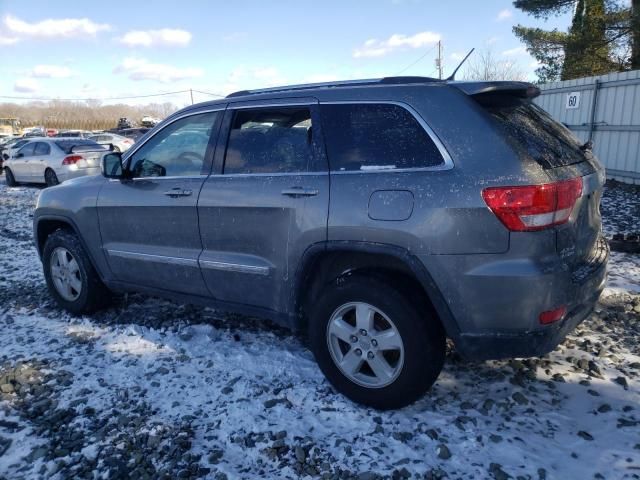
(153, 389)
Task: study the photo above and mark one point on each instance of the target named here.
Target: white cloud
(512, 52)
(141, 69)
(53, 28)
(504, 15)
(51, 71)
(26, 85)
(242, 78)
(457, 56)
(8, 40)
(491, 40)
(378, 48)
(165, 37)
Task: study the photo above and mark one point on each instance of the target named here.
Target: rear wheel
(50, 178)
(374, 345)
(9, 178)
(70, 276)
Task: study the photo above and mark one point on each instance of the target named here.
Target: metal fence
(605, 110)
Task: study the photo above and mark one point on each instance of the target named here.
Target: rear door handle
(178, 192)
(300, 192)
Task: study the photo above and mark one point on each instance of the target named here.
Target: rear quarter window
(533, 131)
(366, 137)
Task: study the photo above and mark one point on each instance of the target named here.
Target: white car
(53, 160)
(120, 143)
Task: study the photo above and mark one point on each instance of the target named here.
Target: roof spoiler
(516, 89)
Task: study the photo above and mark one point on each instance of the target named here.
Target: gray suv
(379, 217)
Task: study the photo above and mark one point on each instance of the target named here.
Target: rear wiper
(587, 146)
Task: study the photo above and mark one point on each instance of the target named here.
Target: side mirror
(112, 165)
(19, 155)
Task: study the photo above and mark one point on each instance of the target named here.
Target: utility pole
(439, 60)
(191, 92)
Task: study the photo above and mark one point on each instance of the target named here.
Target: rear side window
(532, 131)
(42, 149)
(270, 140)
(361, 137)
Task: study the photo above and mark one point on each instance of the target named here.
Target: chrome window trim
(147, 257)
(234, 267)
(129, 153)
(448, 161)
(244, 105)
(202, 176)
(275, 174)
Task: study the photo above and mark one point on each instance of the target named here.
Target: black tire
(94, 295)
(422, 336)
(50, 178)
(9, 178)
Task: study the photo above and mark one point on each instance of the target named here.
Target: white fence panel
(606, 110)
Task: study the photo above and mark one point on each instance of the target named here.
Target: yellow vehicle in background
(10, 127)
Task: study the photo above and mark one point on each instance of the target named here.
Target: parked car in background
(52, 132)
(74, 133)
(125, 122)
(133, 133)
(380, 217)
(12, 146)
(53, 160)
(37, 131)
(120, 143)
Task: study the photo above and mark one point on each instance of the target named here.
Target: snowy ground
(152, 389)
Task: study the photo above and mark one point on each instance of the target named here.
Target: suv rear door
(265, 203)
(149, 224)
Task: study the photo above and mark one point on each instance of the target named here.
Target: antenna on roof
(453, 75)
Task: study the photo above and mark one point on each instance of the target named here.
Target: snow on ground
(153, 389)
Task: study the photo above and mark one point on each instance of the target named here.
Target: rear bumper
(496, 302)
(67, 173)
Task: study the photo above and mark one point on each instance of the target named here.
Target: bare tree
(484, 65)
(88, 115)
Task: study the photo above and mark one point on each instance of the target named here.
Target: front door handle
(178, 192)
(300, 192)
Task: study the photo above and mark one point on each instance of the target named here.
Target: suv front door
(149, 223)
(265, 204)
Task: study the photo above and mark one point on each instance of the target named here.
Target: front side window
(270, 140)
(179, 149)
(361, 137)
(27, 150)
(42, 148)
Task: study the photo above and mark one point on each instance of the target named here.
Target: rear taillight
(533, 207)
(127, 141)
(72, 159)
(553, 316)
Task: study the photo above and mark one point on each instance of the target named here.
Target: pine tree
(604, 36)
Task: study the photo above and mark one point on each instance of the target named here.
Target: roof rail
(342, 83)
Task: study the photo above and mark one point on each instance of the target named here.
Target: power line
(421, 57)
(108, 98)
(209, 93)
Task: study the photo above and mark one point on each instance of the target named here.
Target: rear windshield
(533, 130)
(80, 144)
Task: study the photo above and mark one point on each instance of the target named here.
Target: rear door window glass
(42, 149)
(361, 137)
(270, 140)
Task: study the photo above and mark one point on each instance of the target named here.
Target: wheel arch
(45, 225)
(327, 262)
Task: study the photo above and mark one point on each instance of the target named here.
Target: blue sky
(78, 49)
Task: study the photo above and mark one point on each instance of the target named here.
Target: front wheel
(9, 178)
(374, 345)
(70, 276)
